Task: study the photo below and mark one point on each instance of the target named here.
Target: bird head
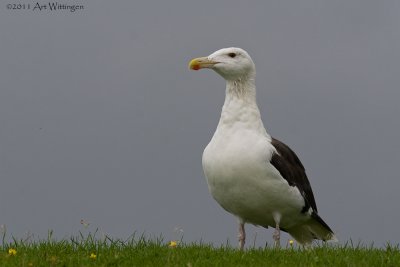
(231, 63)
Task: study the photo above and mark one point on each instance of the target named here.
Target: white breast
(241, 179)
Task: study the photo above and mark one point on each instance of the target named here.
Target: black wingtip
(317, 218)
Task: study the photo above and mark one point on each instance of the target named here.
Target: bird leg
(241, 236)
(277, 236)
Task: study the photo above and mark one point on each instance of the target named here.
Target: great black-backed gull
(250, 174)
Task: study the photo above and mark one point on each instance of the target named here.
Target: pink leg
(242, 236)
(277, 236)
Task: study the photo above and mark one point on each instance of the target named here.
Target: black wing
(291, 169)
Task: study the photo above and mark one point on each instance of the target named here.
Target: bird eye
(232, 55)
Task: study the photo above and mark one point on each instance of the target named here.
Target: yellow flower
(291, 242)
(12, 252)
(173, 244)
(93, 256)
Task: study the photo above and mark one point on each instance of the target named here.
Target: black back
(291, 169)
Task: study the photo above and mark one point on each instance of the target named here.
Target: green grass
(155, 252)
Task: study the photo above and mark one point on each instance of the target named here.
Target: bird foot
(241, 242)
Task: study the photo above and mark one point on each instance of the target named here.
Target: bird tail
(315, 228)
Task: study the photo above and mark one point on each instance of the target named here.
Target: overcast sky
(101, 120)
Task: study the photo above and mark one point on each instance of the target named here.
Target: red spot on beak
(196, 67)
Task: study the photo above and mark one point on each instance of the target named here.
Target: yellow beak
(200, 63)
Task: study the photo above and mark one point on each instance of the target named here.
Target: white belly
(244, 183)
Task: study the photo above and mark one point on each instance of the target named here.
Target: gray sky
(101, 119)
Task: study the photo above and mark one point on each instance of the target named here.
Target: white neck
(242, 90)
(240, 107)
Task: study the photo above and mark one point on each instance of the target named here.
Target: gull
(252, 175)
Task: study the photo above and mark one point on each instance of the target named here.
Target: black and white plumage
(255, 177)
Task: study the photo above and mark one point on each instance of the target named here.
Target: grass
(91, 251)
